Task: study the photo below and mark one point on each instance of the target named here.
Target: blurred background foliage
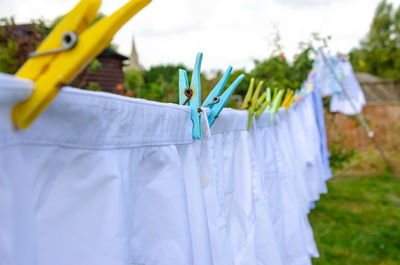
(378, 53)
(159, 81)
(14, 48)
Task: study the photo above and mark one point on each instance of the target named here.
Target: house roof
(108, 53)
(378, 90)
(363, 77)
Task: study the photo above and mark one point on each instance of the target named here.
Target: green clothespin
(262, 105)
(251, 100)
(254, 105)
(261, 99)
(275, 93)
(276, 103)
(280, 99)
(269, 98)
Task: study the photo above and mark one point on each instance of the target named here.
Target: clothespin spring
(68, 40)
(188, 93)
(215, 101)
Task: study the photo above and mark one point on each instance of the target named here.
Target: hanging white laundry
(199, 229)
(266, 236)
(303, 155)
(288, 148)
(297, 183)
(236, 171)
(246, 204)
(287, 215)
(326, 74)
(315, 167)
(334, 76)
(271, 180)
(108, 180)
(212, 185)
(351, 98)
(97, 179)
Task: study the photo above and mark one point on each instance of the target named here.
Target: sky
(228, 32)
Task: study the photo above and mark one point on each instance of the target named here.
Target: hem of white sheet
(96, 120)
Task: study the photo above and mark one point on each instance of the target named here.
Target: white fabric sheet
(106, 180)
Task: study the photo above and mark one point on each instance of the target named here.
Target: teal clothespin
(183, 85)
(191, 96)
(218, 88)
(214, 101)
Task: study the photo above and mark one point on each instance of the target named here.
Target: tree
(241, 89)
(166, 71)
(134, 81)
(277, 71)
(379, 51)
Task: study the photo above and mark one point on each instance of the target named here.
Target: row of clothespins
(255, 103)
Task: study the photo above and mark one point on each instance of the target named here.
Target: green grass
(358, 222)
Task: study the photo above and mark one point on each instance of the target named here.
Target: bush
(340, 156)
(134, 82)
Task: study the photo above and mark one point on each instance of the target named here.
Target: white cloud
(304, 3)
(6, 8)
(227, 31)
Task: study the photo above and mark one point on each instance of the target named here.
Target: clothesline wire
(363, 122)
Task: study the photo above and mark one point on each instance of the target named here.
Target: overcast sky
(231, 32)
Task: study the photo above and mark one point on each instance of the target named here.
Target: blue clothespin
(191, 96)
(214, 101)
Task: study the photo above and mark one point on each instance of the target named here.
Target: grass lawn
(358, 221)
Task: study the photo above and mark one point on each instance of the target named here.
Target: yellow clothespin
(247, 99)
(251, 100)
(66, 51)
(291, 100)
(287, 99)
